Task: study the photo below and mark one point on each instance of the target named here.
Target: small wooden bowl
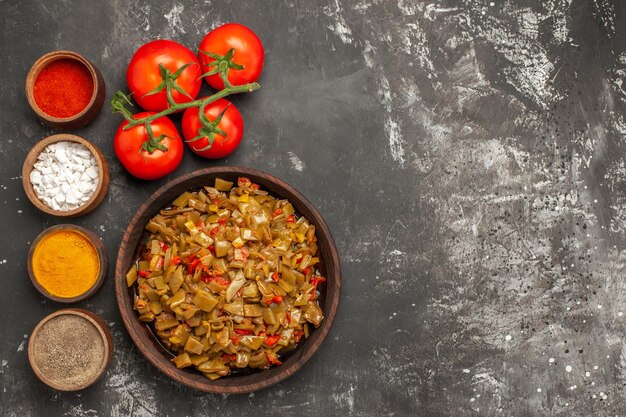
(97, 244)
(88, 113)
(103, 176)
(102, 329)
(147, 342)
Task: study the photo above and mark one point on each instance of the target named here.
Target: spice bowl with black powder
(65, 90)
(70, 349)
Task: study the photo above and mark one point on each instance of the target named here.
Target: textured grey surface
(468, 156)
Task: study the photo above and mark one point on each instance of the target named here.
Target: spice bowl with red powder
(65, 90)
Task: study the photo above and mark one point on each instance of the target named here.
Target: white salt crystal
(60, 155)
(84, 187)
(83, 152)
(73, 196)
(92, 172)
(35, 177)
(77, 159)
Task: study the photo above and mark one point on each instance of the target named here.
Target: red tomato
(231, 124)
(143, 74)
(141, 163)
(248, 53)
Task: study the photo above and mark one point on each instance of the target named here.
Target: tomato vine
(223, 64)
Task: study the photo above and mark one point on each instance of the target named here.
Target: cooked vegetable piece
(194, 345)
(131, 276)
(242, 359)
(215, 365)
(223, 185)
(252, 342)
(198, 359)
(252, 310)
(156, 308)
(221, 248)
(258, 360)
(182, 360)
(313, 313)
(268, 316)
(148, 317)
(181, 200)
(286, 286)
(176, 280)
(180, 335)
(205, 301)
(235, 285)
(178, 298)
(197, 204)
(235, 308)
(165, 321)
(251, 290)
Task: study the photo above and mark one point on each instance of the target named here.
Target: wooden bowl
(103, 332)
(103, 176)
(88, 113)
(150, 346)
(97, 244)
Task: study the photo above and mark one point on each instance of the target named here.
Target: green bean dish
(227, 277)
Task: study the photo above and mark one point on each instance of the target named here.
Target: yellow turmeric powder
(66, 264)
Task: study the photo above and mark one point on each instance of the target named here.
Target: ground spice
(66, 264)
(69, 350)
(63, 88)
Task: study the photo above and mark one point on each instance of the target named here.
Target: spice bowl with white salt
(65, 175)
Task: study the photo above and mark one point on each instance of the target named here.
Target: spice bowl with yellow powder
(67, 263)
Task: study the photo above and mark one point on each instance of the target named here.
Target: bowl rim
(195, 380)
(48, 59)
(98, 246)
(103, 175)
(104, 332)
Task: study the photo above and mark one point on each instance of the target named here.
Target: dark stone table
(468, 156)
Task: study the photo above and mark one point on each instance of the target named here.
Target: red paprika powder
(63, 88)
